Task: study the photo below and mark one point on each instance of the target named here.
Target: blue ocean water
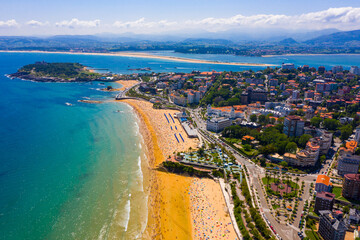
(74, 172)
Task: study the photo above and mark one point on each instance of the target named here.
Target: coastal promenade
(225, 190)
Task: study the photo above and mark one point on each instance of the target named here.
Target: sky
(46, 17)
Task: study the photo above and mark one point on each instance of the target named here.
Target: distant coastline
(312, 54)
(147, 55)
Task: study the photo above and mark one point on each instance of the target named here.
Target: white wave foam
(103, 232)
(127, 213)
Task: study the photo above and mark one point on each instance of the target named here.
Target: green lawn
(312, 235)
(275, 206)
(232, 140)
(337, 191)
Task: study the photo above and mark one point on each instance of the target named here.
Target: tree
(322, 158)
(346, 131)
(247, 147)
(331, 124)
(233, 101)
(283, 164)
(262, 162)
(253, 118)
(297, 179)
(303, 140)
(201, 152)
(262, 119)
(291, 147)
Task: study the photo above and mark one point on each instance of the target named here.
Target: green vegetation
(178, 168)
(66, 71)
(259, 222)
(312, 235)
(337, 191)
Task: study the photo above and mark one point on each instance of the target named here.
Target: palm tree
(191, 156)
(287, 182)
(267, 176)
(297, 180)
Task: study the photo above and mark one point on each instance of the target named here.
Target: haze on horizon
(40, 17)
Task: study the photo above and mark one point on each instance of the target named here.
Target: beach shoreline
(178, 207)
(151, 56)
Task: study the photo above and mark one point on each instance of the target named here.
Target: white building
(287, 66)
(218, 124)
(295, 94)
(228, 112)
(347, 163)
(357, 134)
(355, 70)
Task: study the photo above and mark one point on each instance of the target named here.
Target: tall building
(254, 95)
(347, 162)
(295, 94)
(330, 228)
(321, 69)
(324, 201)
(357, 134)
(355, 70)
(293, 126)
(337, 69)
(351, 186)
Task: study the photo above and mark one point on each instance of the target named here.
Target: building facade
(218, 124)
(324, 201)
(330, 228)
(293, 126)
(347, 163)
(351, 186)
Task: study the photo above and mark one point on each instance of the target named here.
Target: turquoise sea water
(74, 172)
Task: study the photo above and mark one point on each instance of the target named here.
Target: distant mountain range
(217, 43)
(347, 39)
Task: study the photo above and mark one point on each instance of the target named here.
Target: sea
(75, 170)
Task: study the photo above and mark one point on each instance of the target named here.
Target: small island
(58, 72)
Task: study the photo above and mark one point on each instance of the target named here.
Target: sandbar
(151, 56)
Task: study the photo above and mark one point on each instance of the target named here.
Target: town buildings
(351, 186)
(331, 228)
(324, 201)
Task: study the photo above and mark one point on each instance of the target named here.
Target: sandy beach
(174, 200)
(151, 56)
(127, 84)
(210, 217)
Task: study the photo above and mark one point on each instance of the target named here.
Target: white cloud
(342, 18)
(9, 23)
(74, 23)
(346, 18)
(35, 23)
(141, 23)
